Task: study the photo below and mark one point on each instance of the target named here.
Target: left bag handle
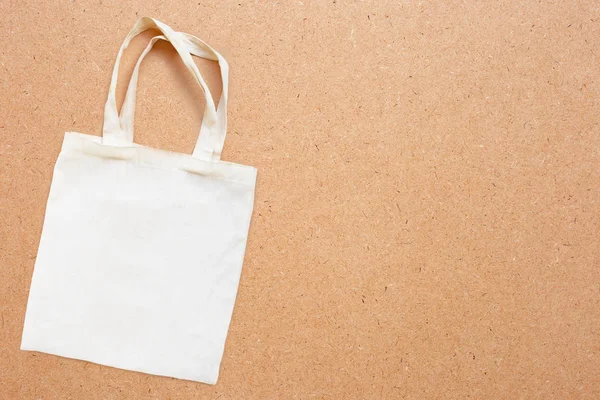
(112, 132)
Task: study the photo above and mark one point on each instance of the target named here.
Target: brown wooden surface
(427, 211)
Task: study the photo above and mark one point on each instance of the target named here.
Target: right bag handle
(212, 137)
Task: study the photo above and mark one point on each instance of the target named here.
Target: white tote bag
(142, 249)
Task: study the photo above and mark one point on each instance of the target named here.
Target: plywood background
(428, 203)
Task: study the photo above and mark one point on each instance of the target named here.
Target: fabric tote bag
(142, 249)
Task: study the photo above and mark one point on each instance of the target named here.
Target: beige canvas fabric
(142, 249)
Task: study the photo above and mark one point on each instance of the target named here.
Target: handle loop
(211, 138)
(118, 130)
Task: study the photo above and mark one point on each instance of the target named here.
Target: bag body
(142, 249)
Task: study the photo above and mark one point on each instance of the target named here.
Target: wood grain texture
(427, 210)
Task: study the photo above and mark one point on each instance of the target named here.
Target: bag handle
(210, 142)
(113, 132)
